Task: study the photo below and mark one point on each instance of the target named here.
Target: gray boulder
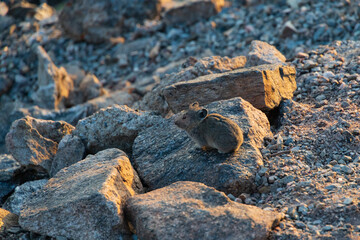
(189, 210)
(16, 201)
(8, 167)
(264, 86)
(54, 84)
(263, 53)
(85, 200)
(98, 21)
(33, 142)
(115, 126)
(70, 150)
(182, 11)
(164, 154)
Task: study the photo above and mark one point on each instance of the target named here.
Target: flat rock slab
(263, 86)
(85, 200)
(193, 68)
(115, 126)
(189, 210)
(164, 154)
(33, 142)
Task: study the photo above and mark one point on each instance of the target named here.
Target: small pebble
(348, 201)
(327, 228)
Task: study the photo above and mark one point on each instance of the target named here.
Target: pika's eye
(184, 117)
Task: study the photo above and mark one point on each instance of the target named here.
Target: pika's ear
(194, 105)
(203, 113)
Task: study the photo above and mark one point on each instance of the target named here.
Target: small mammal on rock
(210, 130)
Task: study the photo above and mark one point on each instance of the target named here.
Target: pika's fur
(213, 130)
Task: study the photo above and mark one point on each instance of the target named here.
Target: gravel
(311, 167)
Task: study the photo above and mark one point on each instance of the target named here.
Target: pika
(210, 130)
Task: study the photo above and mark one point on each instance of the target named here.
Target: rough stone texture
(263, 53)
(97, 21)
(115, 126)
(54, 83)
(154, 100)
(263, 86)
(85, 200)
(70, 150)
(34, 142)
(7, 219)
(23, 192)
(164, 154)
(189, 210)
(8, 167)
(182, 11)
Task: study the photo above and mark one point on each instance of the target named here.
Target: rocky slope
(88, 145)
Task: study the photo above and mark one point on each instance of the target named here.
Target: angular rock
(5, 83)
(181, 11)
(86, 89)
(163, 153)
(5, 22)
(85, 200)
(74, 114)
(22, 9)
(33, 142)
(263, 53)
(3, 9)
(23, 192)
(9, 107)
(115, 126)
(154, 100)
(91, 87)
(189, 210)
(74, 71)
(263, 86)
(288, 30)
(70, 150)
(54, 84)
(98, 21)
(8, 167)
(7, 219)
(44, 11)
